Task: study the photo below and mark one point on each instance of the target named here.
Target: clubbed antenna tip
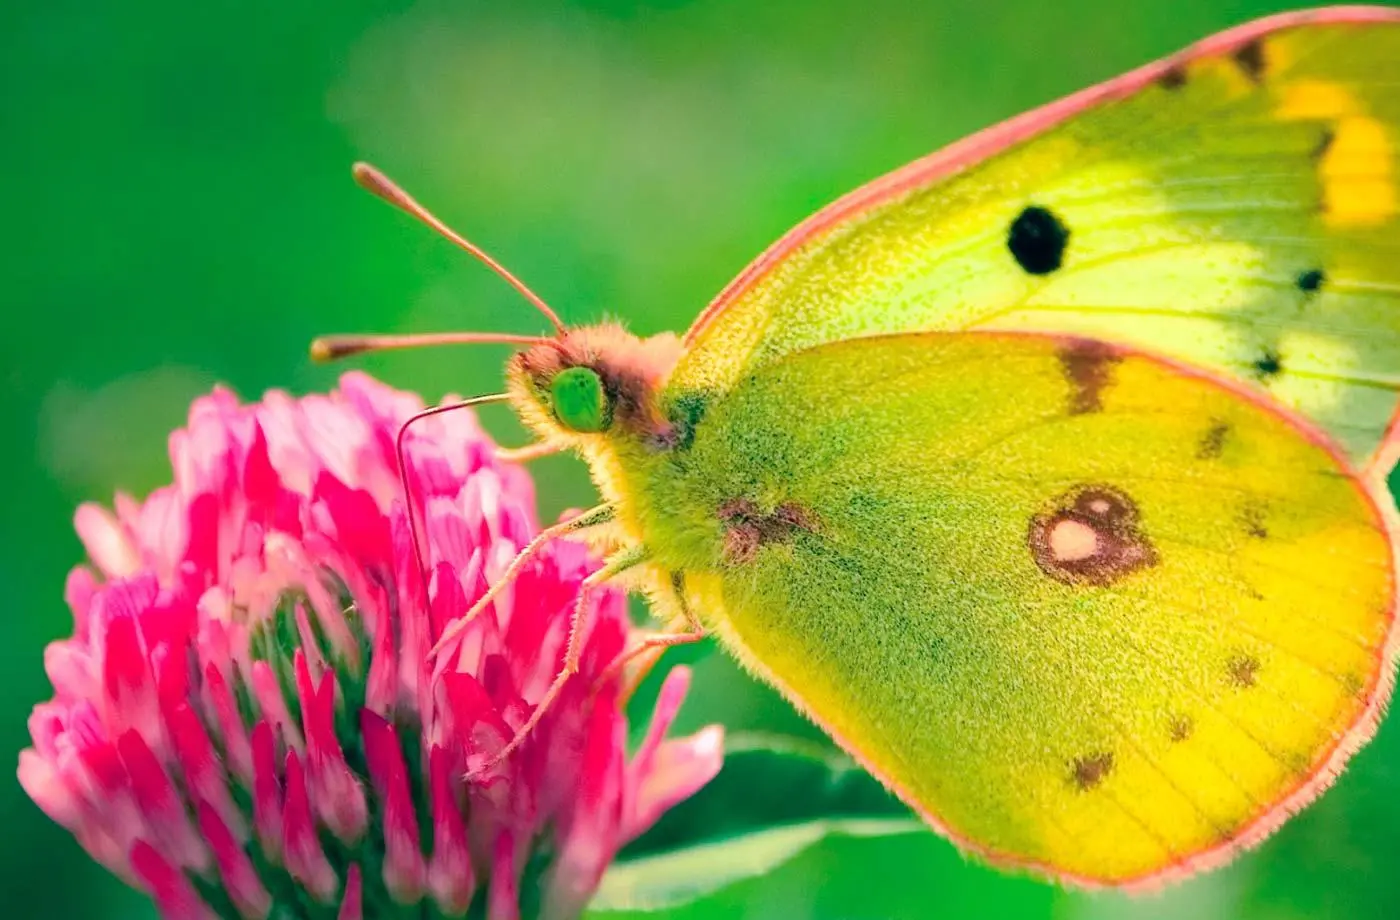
(381, 186)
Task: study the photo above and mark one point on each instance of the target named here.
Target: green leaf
(770, 780)
(774, 798)
(686, 875)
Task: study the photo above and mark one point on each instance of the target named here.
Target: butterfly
(1046, 473)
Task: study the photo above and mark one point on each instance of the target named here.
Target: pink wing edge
(1331, 761)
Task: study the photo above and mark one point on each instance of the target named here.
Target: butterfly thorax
(602, 392)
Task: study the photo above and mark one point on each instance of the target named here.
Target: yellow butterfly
(1046, 473)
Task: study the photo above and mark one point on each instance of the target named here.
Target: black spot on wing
(1310, 281)
(1173, 78)
(1089, 770)
(1242, 671)
(1268, 365)
(1037, 240)
(1252, 518)
(1251, 61)
(1180, 729)
(1212, 443)
(1324, 144)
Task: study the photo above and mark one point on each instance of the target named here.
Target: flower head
(246, 718)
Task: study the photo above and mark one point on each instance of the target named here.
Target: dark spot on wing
(1324, 144)
(1088, 366)
(1173, 78)
(1090, 537)
(1242, 671)
(1088, 771)
(1268, 365)
(1037, 240)
(1250, 58)
(1310, 281)
(1181, 728)
(1353, 683)
(1299, 761)
(747, 527)
(1252, 517)
(1212, 443)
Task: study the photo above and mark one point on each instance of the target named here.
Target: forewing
(1234, 206)
(1088, 611)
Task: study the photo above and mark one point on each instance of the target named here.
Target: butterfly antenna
(380, 185)
(402, 457)
(335, 347)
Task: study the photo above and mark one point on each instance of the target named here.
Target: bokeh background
(177, 212)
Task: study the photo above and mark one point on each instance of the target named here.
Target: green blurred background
(178, 211)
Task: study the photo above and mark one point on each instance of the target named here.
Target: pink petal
(589, 837)
(477, 727)
(78, 592)
(335, 792)
(203, 552)
(404, 871)
(238, 750)
(72, 670)
(166, 816)
(46, 787)
(203, 773)
(267, 792)
(356, 521)
(351, 904)
(664, 773)
(450, 875)
(127, 683)
(235, 868)
(107, 543)
(175, 897)
(267, 690)
(273, 505)
(162, 527)
(383, 686)
(503, 900)
(681, 768)
(305, 858)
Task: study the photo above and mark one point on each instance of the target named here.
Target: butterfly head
(593, 381)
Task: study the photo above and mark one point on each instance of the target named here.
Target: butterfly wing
(1234, 206)
(1087, 611)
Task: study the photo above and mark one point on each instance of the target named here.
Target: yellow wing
(1234, 206)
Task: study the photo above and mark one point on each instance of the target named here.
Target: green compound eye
(579, 401)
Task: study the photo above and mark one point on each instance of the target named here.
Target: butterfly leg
(651, 645)
(619, 563)
(593, 517)
(528, 452)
